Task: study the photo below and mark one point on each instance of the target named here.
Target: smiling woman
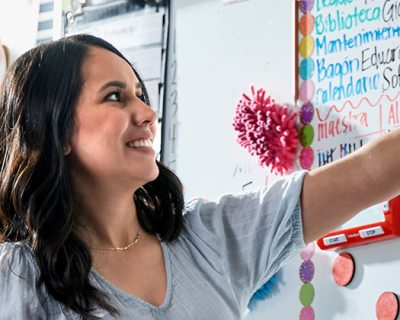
(92, 226)
(114, 120)
(72, 136)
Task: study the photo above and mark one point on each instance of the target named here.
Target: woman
(93, 227)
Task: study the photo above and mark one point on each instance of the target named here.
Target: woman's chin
(153, 175)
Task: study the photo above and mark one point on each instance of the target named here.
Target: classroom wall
(220, 52)
(18, 25)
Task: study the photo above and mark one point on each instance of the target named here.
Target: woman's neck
(105, 218)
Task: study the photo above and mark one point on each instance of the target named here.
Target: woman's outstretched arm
(334, 193)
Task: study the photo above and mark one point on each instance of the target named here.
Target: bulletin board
(348, 80)
(349, 73)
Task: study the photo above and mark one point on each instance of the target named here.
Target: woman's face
(114, 128)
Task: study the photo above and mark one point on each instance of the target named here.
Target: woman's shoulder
(17, 260)
(10, 250)
(21, 297)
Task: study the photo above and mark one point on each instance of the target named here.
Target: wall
(18, 25)
(221, 52)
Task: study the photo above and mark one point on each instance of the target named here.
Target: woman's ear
(67, 149)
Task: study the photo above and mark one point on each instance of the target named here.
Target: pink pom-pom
(267, 130)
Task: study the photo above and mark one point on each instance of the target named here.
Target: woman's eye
(114, 96)
(143, 98)
(140, 95)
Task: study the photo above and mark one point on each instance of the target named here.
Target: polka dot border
(306, 88)
(306, 274)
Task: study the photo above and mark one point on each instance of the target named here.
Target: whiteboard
(219, 53)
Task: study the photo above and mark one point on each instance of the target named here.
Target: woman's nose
(143, 114)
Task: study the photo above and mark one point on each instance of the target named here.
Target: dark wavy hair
(37, 102)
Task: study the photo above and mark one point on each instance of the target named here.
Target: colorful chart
(348, 68)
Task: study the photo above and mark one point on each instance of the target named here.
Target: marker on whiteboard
(246, 185)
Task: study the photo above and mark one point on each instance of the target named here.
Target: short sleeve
(252, 233)
(19, 298)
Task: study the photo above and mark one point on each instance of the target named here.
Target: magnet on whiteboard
(343, 269)
(387, 306)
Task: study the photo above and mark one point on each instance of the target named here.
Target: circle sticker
(306, 135)
(306, 5)
(306, 90)
(307, 158)
(307, 313)
(343, 269)
(306, 113)
(306, 294)
(307, 252)
(306, 68)
(307, 271)
(387, 306)
(306, 46)
(306, 25)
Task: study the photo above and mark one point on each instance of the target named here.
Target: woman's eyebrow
(114, 83)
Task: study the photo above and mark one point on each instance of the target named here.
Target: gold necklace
(135, 241)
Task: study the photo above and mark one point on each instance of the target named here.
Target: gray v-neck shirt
(227, 249)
